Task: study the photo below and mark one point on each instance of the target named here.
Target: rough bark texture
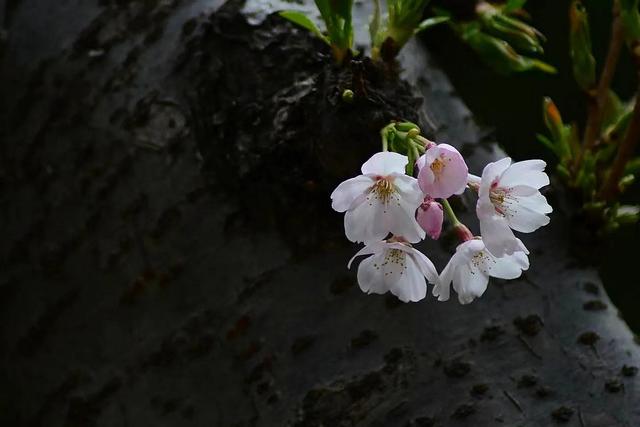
(169, 256)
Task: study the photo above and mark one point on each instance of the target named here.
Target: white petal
(411, 285)
(426, 267)
(401, 210)
(473, 179)
(464, 252)
(367, 222)
(493, 170)
(408, 187)
(522, 190)
(469, 248)
(469, 283)
(368, 250)
(528, 172)
(385, 163)
(496, 234)
(353, 190)
(370, 277)
(442, 288)
(527, 214)
(509, 266)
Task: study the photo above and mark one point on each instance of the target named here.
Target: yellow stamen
(437, 166)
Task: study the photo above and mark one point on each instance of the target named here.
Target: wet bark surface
(169, 255)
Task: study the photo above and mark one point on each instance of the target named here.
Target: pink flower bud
(430, 216)
(463, 233)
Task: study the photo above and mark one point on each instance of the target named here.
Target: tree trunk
(169, 255)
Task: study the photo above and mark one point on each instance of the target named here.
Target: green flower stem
(417, 146)
(448, 210)
(426, 144)
(414, 149)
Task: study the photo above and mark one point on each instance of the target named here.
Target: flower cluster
(387, 209)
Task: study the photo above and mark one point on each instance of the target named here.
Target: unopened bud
(584, 65)
(347, 96)
(462, 232)
(413, 133)
(552, 119)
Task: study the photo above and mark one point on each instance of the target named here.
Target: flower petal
(367, 222)
(454, 174)
(424, 264)
(469, 284)
(528, 172)
(509, 266)
(527, 214)
(401, 210)
(411, 285)
(451, 175)
(473, 179)
(353, 190)
(370, 277)
(368, 250)
(442, 288)
(385, 163)
(493, 170)
(495, 231)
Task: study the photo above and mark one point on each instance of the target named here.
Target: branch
(610, 188)
(599, 99)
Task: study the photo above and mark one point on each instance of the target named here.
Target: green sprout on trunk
(404, 19)
(336, 15)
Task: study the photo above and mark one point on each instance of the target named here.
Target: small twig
(610, 188)
(599, 98)
(513, 400)
(528, 346)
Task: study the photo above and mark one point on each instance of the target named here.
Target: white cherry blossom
(470, 268)
(396, 267)
(382, 200)
(509, 198)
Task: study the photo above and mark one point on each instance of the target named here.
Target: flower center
(383, 190)
(479, 261)
(394, 256)
(437, 166)
(499, 198)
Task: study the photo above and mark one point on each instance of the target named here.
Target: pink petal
(452, 175)
(430, 216)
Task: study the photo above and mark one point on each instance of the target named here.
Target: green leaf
(549, 144)
(627, 214)
(584, 65)
(499, 54)
(302, 20)
(630, 17)
(513, 5)
(336, 15)
(632, 167)
(617, 127)
(430, 22)
(612, 110)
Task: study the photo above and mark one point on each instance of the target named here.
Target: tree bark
(169, 255)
